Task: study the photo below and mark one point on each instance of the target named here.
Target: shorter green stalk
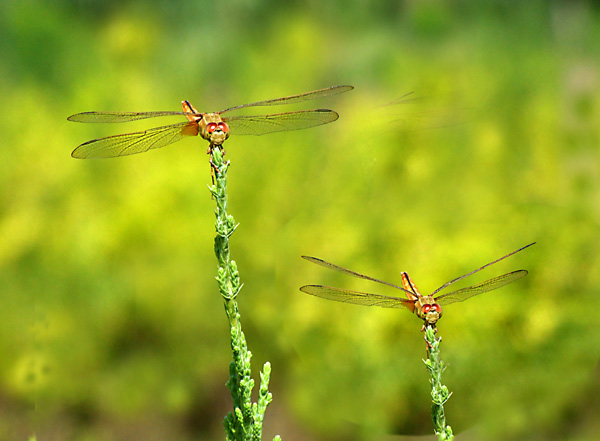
(439, 392)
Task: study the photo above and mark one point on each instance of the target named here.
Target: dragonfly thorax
(208, 125)
(427, 309)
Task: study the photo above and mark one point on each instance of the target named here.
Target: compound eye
(211, 127)
(224, 127)
(437, 307)
(426, 308)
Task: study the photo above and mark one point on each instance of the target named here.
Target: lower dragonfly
(428, 308)
(211, 126)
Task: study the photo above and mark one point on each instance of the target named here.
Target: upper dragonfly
(427, 308)
(211, 126)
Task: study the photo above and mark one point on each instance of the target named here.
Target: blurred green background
(112, 327)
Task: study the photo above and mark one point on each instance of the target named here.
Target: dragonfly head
(430, 312)
(213, 129)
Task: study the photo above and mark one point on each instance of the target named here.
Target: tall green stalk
(439, 392)
(246, 420)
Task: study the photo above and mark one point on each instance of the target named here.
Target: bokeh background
(112, 327)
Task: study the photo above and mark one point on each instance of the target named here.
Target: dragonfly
(215, 127)
(426, 307)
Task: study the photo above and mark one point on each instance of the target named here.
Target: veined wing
(295, 98)
(356, 297)
(136, 142)
(422, 113)
(488, 285)
(117, 117)
(445, 285)
(279, 122)
(326, 264)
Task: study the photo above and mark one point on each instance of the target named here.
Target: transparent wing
(279, 122)
(488, 285)
(328, 265)
(413, 113)
(295, 98)
(137, 142)
(356, 297)
(117, 117)
(445, 285)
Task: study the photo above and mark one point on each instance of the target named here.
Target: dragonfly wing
(137, 142)
(328, 265)
(116, 117)
(445, 285)
(356, 297)
(295, 98)
(488, 285)
(279, 122)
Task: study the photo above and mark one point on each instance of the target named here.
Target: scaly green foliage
(439, 392)
(245, 422)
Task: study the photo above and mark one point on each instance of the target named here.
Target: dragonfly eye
(436, 307)
(211, 127)
(223, 126)
(426, 308)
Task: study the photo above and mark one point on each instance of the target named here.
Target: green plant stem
(246, 420)
(439, 392)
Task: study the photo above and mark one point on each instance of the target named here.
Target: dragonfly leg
(425, 325)
(214, 171)
(425, 336)
(214, 167)
(210, 149)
